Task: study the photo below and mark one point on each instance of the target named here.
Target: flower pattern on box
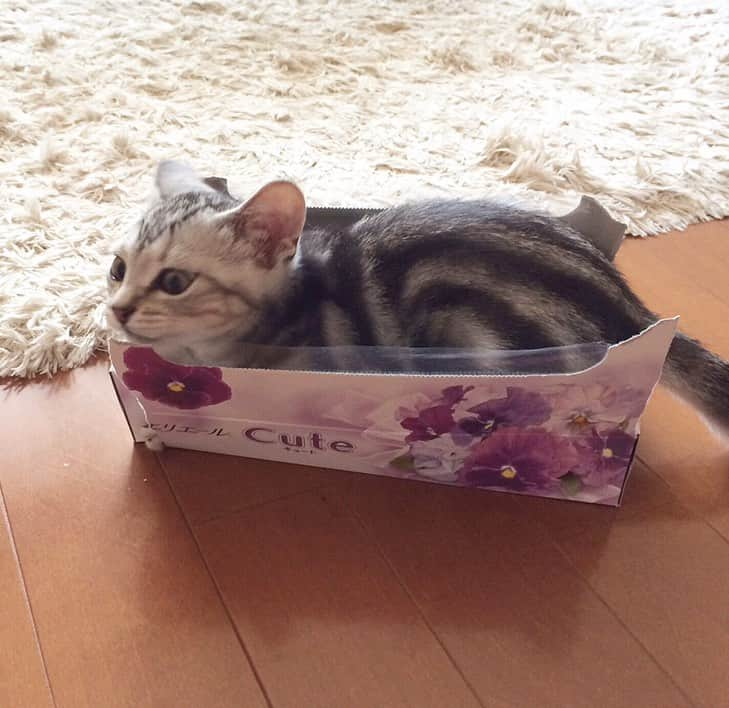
(520, 459)
(580, 408)
(185, 387)
(565, 439)
(559, 441)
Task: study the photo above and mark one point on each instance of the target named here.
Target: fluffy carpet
(363, 103)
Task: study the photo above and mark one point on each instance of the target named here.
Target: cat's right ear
(270, 222)
(177, 178)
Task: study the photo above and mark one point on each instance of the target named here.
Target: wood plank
(515, 616)
(681, 274)
(325, 620)
(665, 574)
(698, 255)
(128, 615)
(658, 278)
(23, 680)
(209, 485)
(644, 492)
(126, 612)
(695, 464)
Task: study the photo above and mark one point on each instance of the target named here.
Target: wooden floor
(191, 580)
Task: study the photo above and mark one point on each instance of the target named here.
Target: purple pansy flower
(518, 408)
(173, 385)
(519, 459)
(430, 423)
(603, 458)
(454, 394)
(435, 420)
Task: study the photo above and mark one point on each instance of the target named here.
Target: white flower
(438, 459)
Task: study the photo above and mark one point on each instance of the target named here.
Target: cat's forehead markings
(168, 214)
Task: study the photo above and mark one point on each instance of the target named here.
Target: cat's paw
(153, 441)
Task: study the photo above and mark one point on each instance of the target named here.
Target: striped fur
(440, 274)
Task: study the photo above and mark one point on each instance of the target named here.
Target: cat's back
(480, 272)
(469, 273)
(448, 221)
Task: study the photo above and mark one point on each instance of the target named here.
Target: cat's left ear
(271, 222)
(178, 178)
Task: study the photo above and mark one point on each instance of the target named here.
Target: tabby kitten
(208, 279)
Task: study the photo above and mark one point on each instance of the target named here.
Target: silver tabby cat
(208, 279)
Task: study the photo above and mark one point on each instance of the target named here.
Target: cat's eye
(174, 282)
(118, 269)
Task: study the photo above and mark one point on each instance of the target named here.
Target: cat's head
(201, 265)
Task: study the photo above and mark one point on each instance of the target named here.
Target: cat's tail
(701, 379)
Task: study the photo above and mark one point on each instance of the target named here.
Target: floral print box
(563, 435)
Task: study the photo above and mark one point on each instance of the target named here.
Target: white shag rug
(363, 103)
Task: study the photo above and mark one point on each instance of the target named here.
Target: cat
(208, 279)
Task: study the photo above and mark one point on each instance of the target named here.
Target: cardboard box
(562, 435)
(568, 434)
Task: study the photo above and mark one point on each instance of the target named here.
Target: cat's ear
(271, 222)
(219, 184)
(177, 178)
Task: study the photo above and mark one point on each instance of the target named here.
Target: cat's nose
(123, 313)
